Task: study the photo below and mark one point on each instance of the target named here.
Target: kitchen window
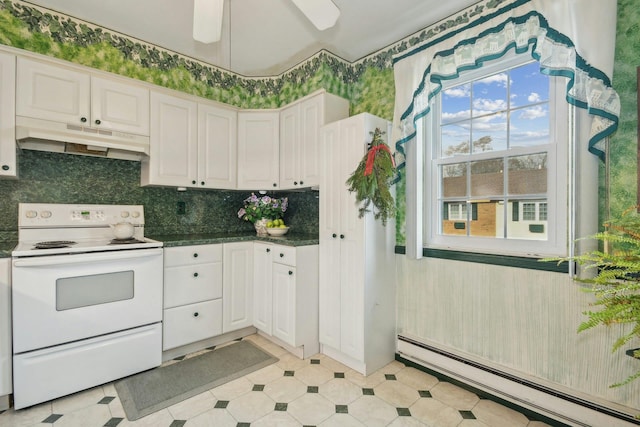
(495, 161)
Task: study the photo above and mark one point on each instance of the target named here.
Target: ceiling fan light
(322, 13)
(207, 20)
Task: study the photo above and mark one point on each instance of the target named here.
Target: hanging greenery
(372, 179)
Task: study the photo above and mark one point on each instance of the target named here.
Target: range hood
(45, 135)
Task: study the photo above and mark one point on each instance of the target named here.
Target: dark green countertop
(170, 240)
(289, 239)
(6, 248)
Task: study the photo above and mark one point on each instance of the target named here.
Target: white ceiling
(263, 37)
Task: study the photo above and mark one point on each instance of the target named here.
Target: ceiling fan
(207, 17)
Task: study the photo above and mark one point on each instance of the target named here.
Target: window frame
(558, 152)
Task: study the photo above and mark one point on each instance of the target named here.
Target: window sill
(503, 260)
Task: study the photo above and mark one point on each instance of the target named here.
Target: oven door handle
(85, 258)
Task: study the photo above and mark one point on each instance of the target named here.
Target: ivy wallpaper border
(64, 37)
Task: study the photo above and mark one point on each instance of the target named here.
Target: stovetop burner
(125, 241)
(54, 244)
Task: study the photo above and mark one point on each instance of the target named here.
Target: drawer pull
(268, 250)
(281, 255)
(196, 314)
(195, 274)
(290, 273)
(195, 255)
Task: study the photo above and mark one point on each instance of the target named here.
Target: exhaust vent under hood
(44, 135)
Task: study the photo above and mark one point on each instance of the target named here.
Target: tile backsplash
(64, 178)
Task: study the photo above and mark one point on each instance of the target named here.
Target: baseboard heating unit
(551, 403)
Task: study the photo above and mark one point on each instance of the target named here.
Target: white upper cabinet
(217, 137)
(258, 149)
(66, 95)
(299, 137)
(8, 167)
(173, 158)
(119, 106)
(192, 144)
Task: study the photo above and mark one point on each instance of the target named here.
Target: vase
(261, 226)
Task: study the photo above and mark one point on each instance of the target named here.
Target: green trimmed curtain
(570, 38)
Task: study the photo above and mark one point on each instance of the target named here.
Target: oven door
(63, 298)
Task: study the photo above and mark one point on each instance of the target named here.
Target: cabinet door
(119, 106)
(312, 117)
(329, 299)
(284, 303)
(52, 93)
(173, 156)
(7, 116)
(217, 154)
(258, 150)
(237, 289)
(290, 144)
(262, 295)
(331, 187)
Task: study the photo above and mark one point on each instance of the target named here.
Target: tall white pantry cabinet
(357, 266)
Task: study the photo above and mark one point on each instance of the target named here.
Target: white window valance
(570, 38)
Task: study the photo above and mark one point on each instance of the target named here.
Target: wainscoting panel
(520, 321)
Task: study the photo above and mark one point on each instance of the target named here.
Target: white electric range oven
(87, 308)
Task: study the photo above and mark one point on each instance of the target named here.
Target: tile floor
(314, 392)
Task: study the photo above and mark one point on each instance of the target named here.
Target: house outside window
(497, 144)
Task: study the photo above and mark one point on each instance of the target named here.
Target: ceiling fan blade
(207, 20)
(322, 13)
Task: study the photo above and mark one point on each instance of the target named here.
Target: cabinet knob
(83, 119)
(275, 185)
(295, 182)
(195, 255)
(334, 235)
(268, 250)
(342, 236)
(281, 255)
(193, 182)
(196, 314)
(301, 182)
(98, 121)
(201, 182)
(195, 274)
(290, 273)
(5, 167)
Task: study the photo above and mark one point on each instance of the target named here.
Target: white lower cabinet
(211, 290)
(286, 295)
(237, 286)
(192, 294)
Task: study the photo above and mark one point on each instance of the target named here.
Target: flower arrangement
(256, 208)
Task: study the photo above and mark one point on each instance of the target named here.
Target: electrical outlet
(181, 209)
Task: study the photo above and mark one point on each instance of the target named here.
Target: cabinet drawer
(191, 323)
(284, 255)
(192, 283)
(188, 255)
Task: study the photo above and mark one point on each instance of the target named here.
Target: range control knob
(31, 214)
(135, 214)
(45, 214)
(124, 214)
